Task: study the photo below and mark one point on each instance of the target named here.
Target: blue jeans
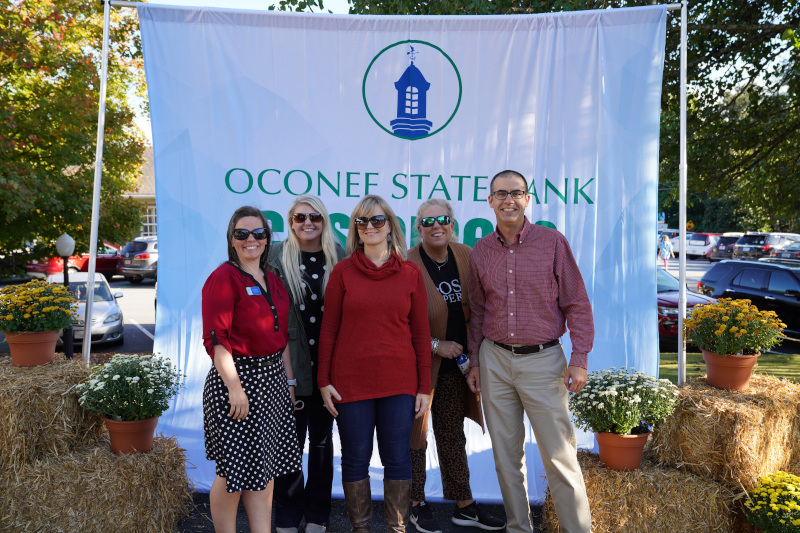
(392, 418)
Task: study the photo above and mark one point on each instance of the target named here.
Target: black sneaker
(473, 516)
(423, 519)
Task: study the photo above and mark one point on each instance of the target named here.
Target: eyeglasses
(378, 221)
(427, 222)
(242, 234)
(515, 194)
(301, 217)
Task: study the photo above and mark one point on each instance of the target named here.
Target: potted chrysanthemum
(31, 316)
(131, 392)
(622, 406)
(731, 334)
(774, 504)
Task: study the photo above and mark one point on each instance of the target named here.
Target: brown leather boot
(396, 499)
(358, 499)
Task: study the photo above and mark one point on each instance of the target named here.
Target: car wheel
(72, 270)
(692, 257)
(136, 281)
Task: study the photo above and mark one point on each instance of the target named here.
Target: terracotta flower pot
(32, 348)
(730, 372)
(131, 436)
(621, 452)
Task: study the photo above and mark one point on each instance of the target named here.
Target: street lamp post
(66, 246)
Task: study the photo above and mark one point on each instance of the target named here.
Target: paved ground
(200, 520)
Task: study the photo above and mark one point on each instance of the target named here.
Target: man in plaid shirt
(525, 287)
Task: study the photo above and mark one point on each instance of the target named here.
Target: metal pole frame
(98, 177)
(683, 168)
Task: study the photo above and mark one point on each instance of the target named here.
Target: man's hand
(474, 379)
(575, 379)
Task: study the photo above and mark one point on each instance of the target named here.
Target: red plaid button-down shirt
(527, 292)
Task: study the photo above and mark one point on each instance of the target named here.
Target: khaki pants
(533, 384)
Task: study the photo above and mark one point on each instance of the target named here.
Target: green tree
(49, 93)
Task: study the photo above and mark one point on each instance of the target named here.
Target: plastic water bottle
(463, 363)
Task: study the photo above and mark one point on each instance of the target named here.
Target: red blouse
(375, 339)
(237, 313)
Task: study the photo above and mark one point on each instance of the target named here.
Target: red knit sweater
(375, 338)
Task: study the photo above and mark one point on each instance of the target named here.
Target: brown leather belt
(526, 350)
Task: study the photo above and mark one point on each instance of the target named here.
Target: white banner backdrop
(254, 108)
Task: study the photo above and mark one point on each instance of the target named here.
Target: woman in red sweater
(374, 360)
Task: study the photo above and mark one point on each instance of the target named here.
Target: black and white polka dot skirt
(252, 451)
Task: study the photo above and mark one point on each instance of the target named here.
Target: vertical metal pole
(98, 175)
(68, 346)
(682, 204)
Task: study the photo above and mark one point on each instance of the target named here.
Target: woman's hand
(294, 400)
(240, 405)
(449, 349)
(421, 404)
(328, 394)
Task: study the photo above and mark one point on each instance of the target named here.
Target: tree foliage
(49, 94)
(744, 96)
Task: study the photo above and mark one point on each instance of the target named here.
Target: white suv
(699, 245)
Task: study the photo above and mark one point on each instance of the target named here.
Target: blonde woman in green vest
(445, 266)
(304, 262)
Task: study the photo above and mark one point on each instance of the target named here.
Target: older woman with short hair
(445, 267)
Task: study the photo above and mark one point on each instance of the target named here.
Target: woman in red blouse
(248, 397)
(375, 359)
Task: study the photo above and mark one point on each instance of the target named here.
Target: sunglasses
(242, 234)
(301, 217)
(502, 195)
(427, 222)
(378, 221)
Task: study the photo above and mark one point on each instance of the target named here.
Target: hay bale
(652, 499)
(94, 490)
(734, 437)
(40, 412)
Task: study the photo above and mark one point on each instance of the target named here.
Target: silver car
(139, 260)
(107, 322)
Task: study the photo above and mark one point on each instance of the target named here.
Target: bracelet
(434, 345)
(291, 382)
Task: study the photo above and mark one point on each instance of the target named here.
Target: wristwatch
(292, 382)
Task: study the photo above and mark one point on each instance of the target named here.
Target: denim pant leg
(394, 418)
(356, 423)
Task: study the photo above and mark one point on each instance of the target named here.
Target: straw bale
(40, 412)
(734, 437)
(93, 490)
(652, 499)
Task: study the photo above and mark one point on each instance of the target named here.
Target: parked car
(667, 287)
(770, 286)
(723, 249)
(675, 239)
(139, 260)
(105, 263)
(789, 254)
(108, 324)
(753, 244)
(699, 245)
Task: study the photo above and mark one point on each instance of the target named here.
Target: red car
(107, 257)
(667, 289)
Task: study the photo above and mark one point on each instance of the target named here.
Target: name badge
(253, 291)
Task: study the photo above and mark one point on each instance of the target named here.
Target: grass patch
(779, 365)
